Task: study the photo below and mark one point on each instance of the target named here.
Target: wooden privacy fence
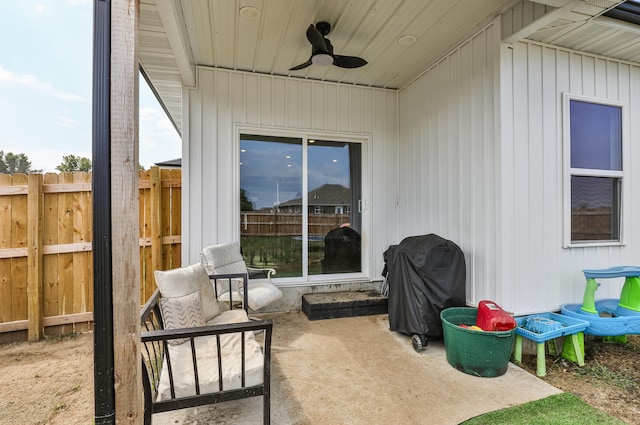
(255, 223)
(46, 259)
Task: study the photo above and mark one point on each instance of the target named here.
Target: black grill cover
(341, 251)
(426, 274)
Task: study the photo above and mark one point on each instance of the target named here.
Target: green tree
(12, 164)
(72, 163)
(245, 203)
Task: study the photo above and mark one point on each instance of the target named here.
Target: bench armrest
(264, 270)
(225, 282)
(168, 334)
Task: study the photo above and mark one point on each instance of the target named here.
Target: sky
(271, 172)
(46, 86)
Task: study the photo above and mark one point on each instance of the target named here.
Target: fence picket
(19, 240)
(67, 258)
(5, 242)
(175, 229)
(50, 263)
(165, 219)
(5, 290)
(34, 257)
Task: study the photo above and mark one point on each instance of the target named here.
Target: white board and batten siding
(449, 157)
(481, 163)
(227, 102)
(539, 273)
(472, 150)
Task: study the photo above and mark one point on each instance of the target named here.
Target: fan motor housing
(323, 28)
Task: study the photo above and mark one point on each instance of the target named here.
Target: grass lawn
(560, 409)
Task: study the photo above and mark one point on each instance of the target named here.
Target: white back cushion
(187, 280)
(223, 259)
(182, 312)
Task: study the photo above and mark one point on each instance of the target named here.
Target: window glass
(270, 174)
(596, 136)
(595, 208)
(334, 244)
(273, 208)
(595, 171)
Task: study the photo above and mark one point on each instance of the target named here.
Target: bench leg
(266, 398)
(573, 349)
(541, 361)
(266, 409)
(517, 350)
(577, 349)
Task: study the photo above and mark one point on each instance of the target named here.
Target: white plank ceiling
(175, 36)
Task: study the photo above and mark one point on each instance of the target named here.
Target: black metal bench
(155, 356)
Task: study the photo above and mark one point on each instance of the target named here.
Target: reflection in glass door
(270, 173)
(300, 205)
(334, 207)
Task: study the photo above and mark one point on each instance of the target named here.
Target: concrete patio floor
(355, 371)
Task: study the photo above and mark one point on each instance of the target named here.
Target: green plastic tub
(478, 353)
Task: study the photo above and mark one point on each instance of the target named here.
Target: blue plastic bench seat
(569, 327)
(611, 272)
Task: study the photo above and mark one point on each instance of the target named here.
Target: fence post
(35, 230)
(155, 186)
(275, 223)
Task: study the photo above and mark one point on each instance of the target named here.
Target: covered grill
(425, 275)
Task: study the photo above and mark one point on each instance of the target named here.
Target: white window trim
(367, 177)
(568, 171)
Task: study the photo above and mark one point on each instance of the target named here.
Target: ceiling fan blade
(316, 39)
(301, 66)
(348, 61)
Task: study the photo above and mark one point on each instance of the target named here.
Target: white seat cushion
(206, 355)
(260, 295)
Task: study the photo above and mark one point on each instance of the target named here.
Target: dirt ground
(609, 380)
(51, 381)
(47, 382)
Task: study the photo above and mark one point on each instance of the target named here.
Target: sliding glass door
(334, 207)
(300, 202)
(271, 171)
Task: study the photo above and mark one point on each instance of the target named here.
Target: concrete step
(331, 305)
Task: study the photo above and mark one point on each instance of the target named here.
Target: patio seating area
(355, 371)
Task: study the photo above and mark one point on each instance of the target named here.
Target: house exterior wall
(481, 154)
(538, 273)
(224, 100)
(449, 158)
(472, 150)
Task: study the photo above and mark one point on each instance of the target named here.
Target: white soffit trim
(565, 7)
(178, 39)
(616, 23)
(553, 3)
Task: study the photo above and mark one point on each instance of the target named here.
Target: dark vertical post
(101, 187)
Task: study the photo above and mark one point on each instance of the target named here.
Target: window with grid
(595, 174)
